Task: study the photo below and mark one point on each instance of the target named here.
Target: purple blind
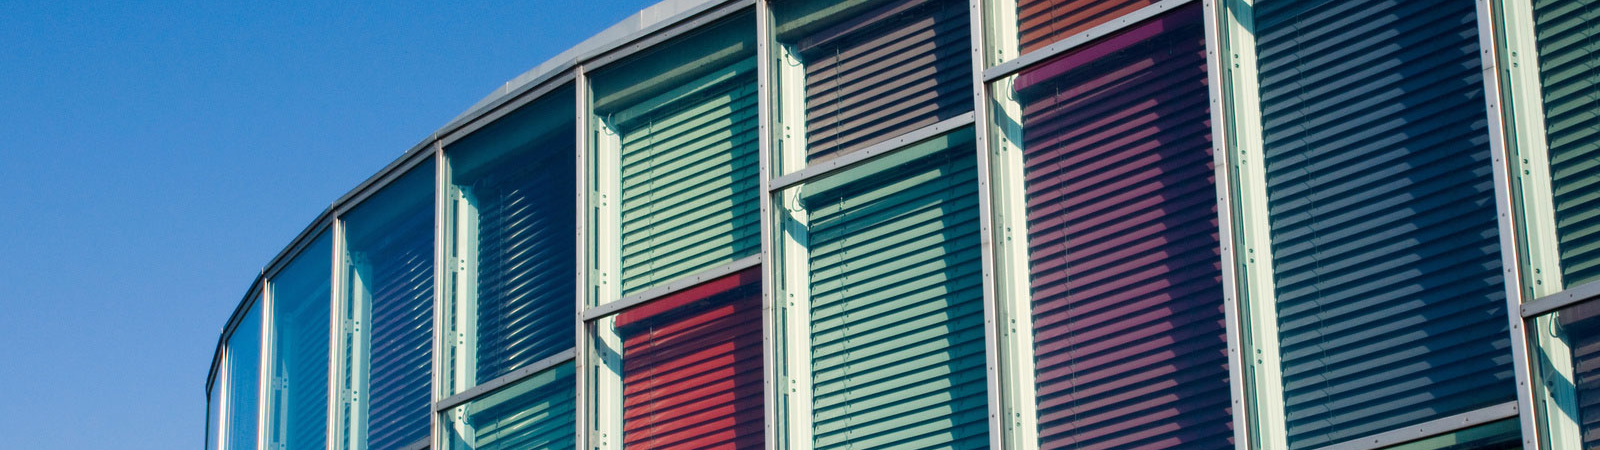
(1122, 232)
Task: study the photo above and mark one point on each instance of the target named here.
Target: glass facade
(387, 309)
(509, 255)
(1144, 224)
(536, 412)
(297, 393)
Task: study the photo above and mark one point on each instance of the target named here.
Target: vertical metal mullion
(264, 371)
(1255, 372)
(442, 271)
(1012, 413)
(335, 330)
(1526, 215)
(581, 125)
(770, 345)
(790, 249)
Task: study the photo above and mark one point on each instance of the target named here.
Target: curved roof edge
(637, 26)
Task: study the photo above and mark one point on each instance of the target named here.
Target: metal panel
(885, 72)
(523, 263)
(690, 192)
(1041, 22)
(1390, 304)
(1130, 337)
(1569, 65)
(691, 376)
(897, 305)
(536, 413)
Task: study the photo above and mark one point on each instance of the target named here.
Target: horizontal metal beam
(1079, 40)
(1430, 428)
(863, 156)
(505, 380)
(670, 288)
(1569, 297)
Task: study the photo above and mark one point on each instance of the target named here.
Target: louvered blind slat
(690, 197)
(692, 369)
(538, 413)
(897, 312)
(525, 260)
(908, 70)
(1391, 308)
(1129, 335)
(402, 333)
(1569, 66)
(1043, 22)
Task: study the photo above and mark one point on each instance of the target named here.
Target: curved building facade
(962, 224)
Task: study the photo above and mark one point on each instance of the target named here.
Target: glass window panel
(678, 125)
(1391, 308)
(1130, 340)
(868, 71)
(389, 302)
(1567, 353)
(1022, 26)
(896, 303)
(511, 243)
(302, 301)
(1569, 53)
(692, 367)
(214, 407)
(536, 413)
(241, 413)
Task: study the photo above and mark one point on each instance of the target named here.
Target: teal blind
(536, 413)
(897, 307)
(1391, 307)
(1569, 66)
(690, 193)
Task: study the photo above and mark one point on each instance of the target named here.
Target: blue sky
(157, 154)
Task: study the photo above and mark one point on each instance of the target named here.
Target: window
(387, 338)
(509, 250)
(297, 393)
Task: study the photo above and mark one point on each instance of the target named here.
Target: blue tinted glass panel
(243, 382)
(297, 405)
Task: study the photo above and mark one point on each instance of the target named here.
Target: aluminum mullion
(488, 387)
(1582, 293)
(581, 340)
(770, 345)
(1075, 41)
(844, 162)
(1529, 260)
(654, 293)
(1430, 428)
(1248, 288)
(442, 270)
(1013, 413)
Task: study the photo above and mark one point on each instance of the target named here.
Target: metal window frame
(1255, 366)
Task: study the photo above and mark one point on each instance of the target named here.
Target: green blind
(690, 197)
(1569, 65)
(897, 307)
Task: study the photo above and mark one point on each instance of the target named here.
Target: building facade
(957, 224)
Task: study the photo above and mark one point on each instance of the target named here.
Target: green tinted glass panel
(536, 413)
(297, 403)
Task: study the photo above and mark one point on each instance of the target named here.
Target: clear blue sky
(157, 154)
